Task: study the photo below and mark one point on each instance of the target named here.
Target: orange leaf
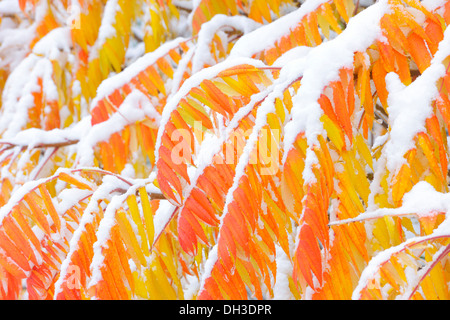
(340, 106)
(419, 51)
(327, 108)
(167, 176)
(19, 238)
(38, 215)
(50, 207)
(186, 236)
(72, 180)
(11, 267)
(378, 75)
(202, 209)
(308, 257)
(13, 252)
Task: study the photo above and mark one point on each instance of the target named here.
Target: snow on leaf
(224, 149)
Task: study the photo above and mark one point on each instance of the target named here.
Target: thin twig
(12, 145)
(179, 7)
(355, 11)
(429, 268)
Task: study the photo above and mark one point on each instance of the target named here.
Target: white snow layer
(409, 106)
(320, 67)
(203, 53)
(266, 36)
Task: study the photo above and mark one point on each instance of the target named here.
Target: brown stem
(152, 195)
(41, 145)
(156, 196)
(356, 8)
(179, 7)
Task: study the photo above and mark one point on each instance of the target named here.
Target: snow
(68, 198)
(110, 183)
(422, 201)
(432, 4)
(18, 196)
(119, 80)
(209, 266)
(17, 95)
(26, 188)
(103, 233)
(107, 29)
(321, 66)
(187, 5)
(191, 287)
(135, 107)
(51, 45)
(380, 140)
(266, 36)
(9, 7)
(281, 290)
(163, 216)
(409, 106)
(194, 81)
(34, 137)
(370, 272)
(16, 36)
(183, 66)
(208, 30)
(134, 52)
(14, 44)
(295, 53)
(312, 63)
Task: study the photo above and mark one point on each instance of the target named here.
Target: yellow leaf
(364, 150)
(127, 234)
(148, 214)
(333, 132)
(136, 216)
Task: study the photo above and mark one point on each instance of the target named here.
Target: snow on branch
(410, 106)
(321, 66)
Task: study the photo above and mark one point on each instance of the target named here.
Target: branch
(377, 262)
(11, 145)
(297, 3)
(183, 6)
(152, 195)
(356, 8)
(443, 252)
